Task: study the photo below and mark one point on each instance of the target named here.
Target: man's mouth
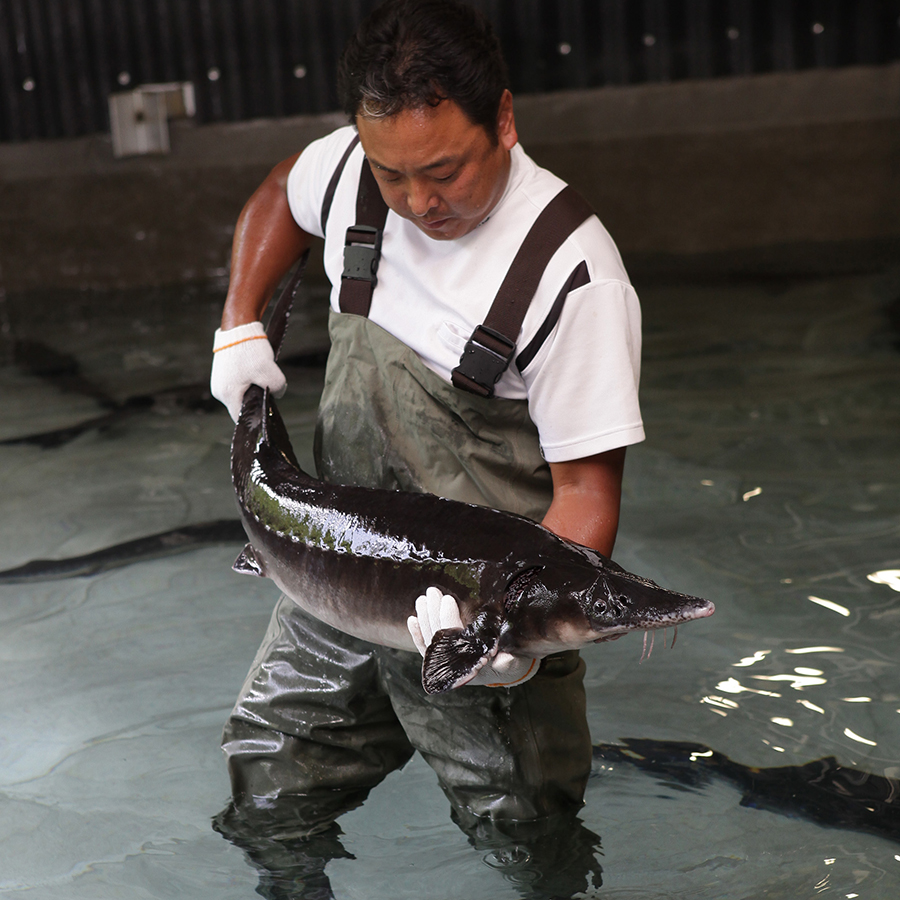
(433, 224)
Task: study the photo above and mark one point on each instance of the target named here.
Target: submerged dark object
(822, 791)
(63, 371)
(58, 368)
(154, 546)
(357, 558)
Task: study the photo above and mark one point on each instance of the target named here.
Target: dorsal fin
(281, 313)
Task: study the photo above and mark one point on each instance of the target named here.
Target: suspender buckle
(486, 357)
(362, 250)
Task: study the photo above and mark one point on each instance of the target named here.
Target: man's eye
(445, 178)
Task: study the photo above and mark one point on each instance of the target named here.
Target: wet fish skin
(357, 558)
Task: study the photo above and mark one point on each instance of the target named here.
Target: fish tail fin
(273, 431)
(278, 321)
(264, 421)
(275, 331)
(248, 563)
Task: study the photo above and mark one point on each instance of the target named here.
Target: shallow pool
(770, 483)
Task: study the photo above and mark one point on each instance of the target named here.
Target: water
(770, 477)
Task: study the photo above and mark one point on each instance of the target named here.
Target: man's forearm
(586, 499)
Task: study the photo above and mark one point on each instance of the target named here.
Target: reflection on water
(769, 483)
(890, 577)
(834, 607)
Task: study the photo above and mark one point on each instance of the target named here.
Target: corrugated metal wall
(60, 59)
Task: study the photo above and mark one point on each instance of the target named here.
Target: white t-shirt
(582, 384)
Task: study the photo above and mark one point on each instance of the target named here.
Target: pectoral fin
(455, 655)
(248, 564)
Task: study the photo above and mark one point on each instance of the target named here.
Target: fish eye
(610, 604)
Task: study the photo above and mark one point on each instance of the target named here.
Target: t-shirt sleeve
(583, 383)
(308, 179)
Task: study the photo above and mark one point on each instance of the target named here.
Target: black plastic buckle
(486, 357)
(362, 251)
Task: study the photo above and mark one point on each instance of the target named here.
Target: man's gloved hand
(243, 356)
(436, 611)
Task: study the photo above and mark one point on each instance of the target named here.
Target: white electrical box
(139, 118)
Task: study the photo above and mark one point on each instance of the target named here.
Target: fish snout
(622, 602)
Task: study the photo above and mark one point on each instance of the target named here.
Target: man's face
(437, 168)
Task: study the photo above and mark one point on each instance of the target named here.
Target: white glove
(243, 356)
(436, 611)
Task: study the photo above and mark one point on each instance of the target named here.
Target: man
(323, 717)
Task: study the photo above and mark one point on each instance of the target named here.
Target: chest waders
(323, 717)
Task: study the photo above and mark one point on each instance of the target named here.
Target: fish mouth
(614, 636)
(651, 626)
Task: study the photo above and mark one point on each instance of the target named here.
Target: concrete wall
(779, 172)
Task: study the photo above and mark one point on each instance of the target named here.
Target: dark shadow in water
(155, 546)
(556, 860)
(553, 859)
(290, 868)
(822, 791)
(63, 371)
(892, 313)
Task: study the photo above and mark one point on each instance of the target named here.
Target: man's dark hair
(411, 53)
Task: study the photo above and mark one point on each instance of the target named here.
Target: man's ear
(506, 123)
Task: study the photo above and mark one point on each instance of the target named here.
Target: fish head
(591, 599)
(620, 602)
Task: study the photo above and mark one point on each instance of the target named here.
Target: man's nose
(420, 198)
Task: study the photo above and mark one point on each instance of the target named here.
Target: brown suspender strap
(362, 246)
(332, 185)
(492, 345)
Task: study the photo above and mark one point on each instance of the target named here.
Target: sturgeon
(357, 558)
